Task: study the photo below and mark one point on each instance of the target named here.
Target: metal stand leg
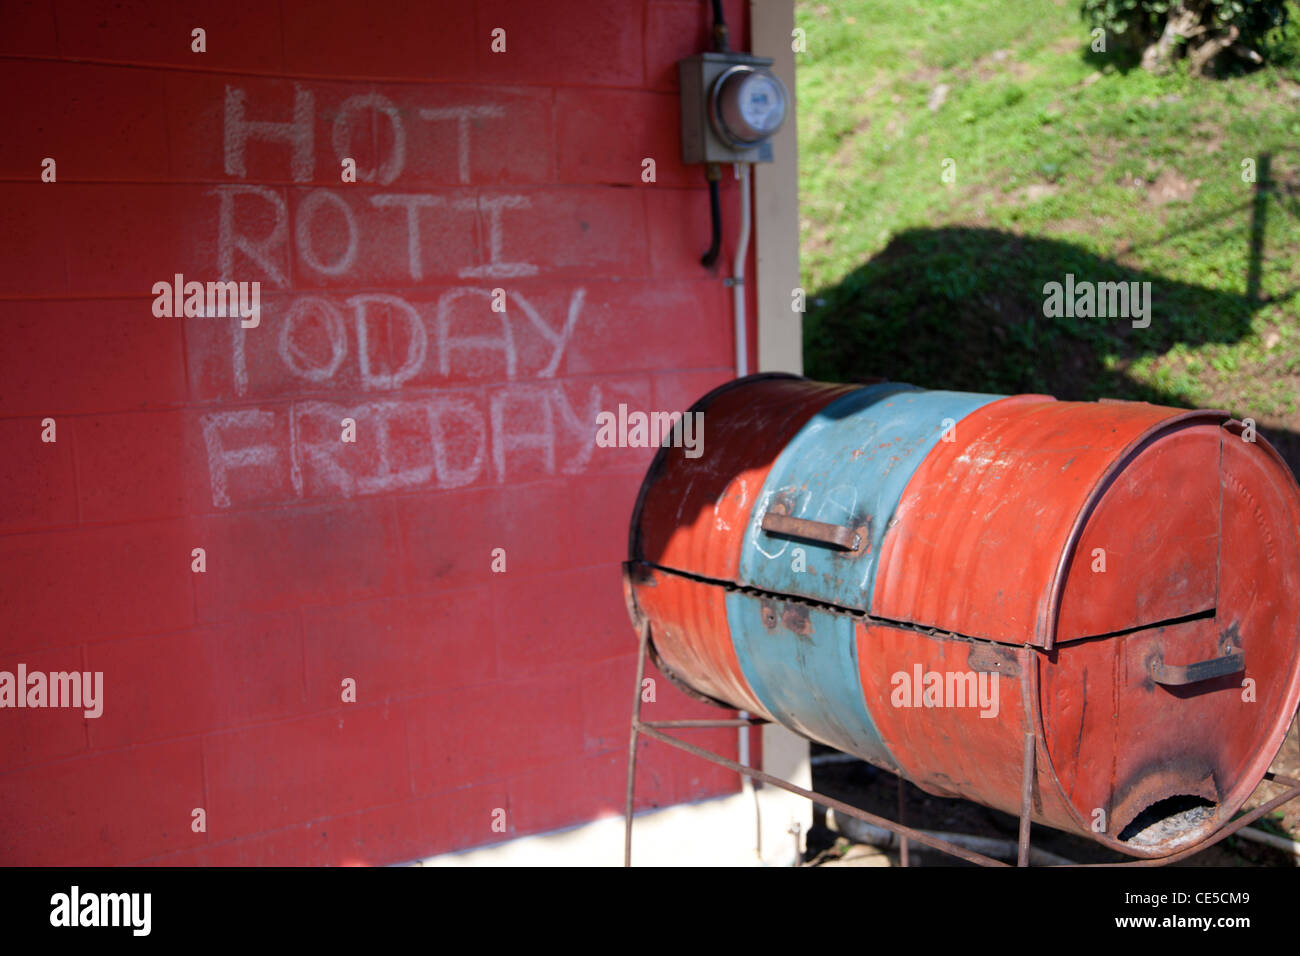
(1026, 801)
(631, 746)
(902, 818)
(654, 731)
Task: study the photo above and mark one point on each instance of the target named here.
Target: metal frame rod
(903, 854)
(631, 746)
(1026, 801)
(653, 730)
(969, 856)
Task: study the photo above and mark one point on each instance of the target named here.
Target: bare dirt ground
(876, 791)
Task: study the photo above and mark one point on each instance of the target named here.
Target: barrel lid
(1195, 708)
(1049, 521)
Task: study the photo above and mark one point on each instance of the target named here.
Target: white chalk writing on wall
(429, 438)
(436, 441)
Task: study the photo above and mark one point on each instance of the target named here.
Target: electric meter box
(731, 105)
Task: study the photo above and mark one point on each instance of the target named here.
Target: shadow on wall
(963, 308)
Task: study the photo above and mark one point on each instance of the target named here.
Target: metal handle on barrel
(1174, 675)
(833, 535)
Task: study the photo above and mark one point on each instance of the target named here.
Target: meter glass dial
(762, 104)
(747, 105)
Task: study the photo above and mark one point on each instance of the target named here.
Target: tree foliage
(1161, 31)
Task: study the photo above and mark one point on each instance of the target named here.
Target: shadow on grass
(962, 308)
(1121, 55)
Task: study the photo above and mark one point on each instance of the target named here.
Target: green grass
(1066, 161)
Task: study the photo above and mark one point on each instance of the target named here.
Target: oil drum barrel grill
(923, 578)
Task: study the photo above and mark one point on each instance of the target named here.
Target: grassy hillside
(1063, 161)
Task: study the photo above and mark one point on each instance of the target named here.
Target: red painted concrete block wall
(327, 561)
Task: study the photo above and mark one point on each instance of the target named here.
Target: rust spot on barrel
(993, 659)
(797, 620)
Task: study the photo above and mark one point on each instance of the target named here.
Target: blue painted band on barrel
(848, 466)
(802, 664)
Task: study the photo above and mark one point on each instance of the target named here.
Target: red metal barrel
(923, 578)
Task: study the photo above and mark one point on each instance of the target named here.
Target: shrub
(1162, 30)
